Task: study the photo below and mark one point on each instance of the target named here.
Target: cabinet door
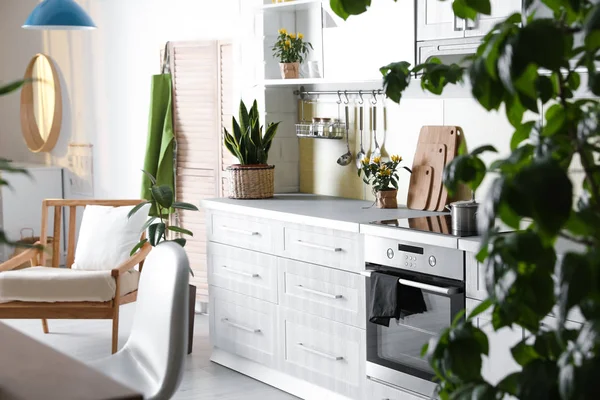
(499, 363)
(436, 20)
(500, 10)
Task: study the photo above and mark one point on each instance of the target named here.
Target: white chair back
(159, 333)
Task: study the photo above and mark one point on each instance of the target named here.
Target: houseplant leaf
(184, 206)
(163, 195)
(138, 246)
(180, 230)
(136, 208)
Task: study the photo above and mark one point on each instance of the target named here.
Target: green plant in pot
(290, 49)
(532, 62)
(158, 227)
(253, 178)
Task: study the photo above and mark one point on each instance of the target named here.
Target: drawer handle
(242, 327)
(318, 246)
(317, 292)
(241, 231)
(241, 273)
(320, 353)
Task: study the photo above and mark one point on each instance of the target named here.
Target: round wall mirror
(41, 105)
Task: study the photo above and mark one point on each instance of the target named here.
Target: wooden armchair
(71, 309)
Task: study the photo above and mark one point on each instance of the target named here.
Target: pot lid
(465, 204)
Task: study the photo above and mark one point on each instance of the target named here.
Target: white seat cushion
(44, 284)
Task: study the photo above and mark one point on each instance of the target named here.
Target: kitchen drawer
(475, 282)
(337, 249)
(326, 292)
(323, 352)
(244, 326)
(379, 391)
(243, 271)
(246, 232)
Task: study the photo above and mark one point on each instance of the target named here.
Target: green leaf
(138, 246)
(163, 195)
(545, 88)
(489, 92)
(396, 78)
(463, 10)
(11, 87)
(481, 307)
(522, 133)
(149, 176)
(482, 149)
(184, 206)
(148, 223)
(524, 353)
(244, 117)
(510, 384)
(180, 230)
(136, 208)
(180, 241)
(556, 117)
(155, 232)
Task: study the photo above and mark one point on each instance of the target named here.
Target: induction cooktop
(440, 224)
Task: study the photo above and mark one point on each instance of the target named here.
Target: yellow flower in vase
(366, 161)
(300, 36)
(396, 159)
(385, 171)
(282, 31)
(292, 36)
(288, 43)
(376, 160)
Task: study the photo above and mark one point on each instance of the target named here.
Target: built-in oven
(394, 351)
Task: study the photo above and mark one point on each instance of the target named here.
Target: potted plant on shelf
(158, 229)
(252, 178)
(291, 49)
(383, 176)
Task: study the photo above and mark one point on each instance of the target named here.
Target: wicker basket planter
(251, 181)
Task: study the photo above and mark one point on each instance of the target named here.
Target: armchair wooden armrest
(132, 261)
(28, 255)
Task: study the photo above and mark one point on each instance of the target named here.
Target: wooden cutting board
(419, 188)
(447, 135)
(437, 159)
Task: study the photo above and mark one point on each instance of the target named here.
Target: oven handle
(419, 285)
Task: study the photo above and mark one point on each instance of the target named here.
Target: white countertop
(324, 211)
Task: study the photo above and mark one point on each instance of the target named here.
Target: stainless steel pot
(464, 217)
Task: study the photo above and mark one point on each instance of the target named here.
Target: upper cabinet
(436, 19)
(356, 48)
(484, 23)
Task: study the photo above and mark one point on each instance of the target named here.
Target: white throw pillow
(107, 236)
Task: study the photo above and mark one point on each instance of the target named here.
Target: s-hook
(347, 99)
(339, 93)
(361, 101)
(374, 98)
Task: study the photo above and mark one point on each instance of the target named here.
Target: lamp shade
(59, 15)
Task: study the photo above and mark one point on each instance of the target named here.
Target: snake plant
(246, 142)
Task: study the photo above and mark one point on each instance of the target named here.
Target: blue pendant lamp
(59, 15)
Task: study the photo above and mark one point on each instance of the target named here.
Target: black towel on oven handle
(389, 299)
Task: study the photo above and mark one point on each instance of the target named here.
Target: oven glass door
(399, 346)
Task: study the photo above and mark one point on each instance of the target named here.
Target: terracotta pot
(290, 70)
(387, 198)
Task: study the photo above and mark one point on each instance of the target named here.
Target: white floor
(203, 380)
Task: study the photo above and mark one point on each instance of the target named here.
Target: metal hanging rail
(302, 92)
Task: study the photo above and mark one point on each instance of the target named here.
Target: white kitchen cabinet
(475, 278)
(436, 20)
(326, 292)
(243, 231)
(500, 10)
(243, 271)
(326, 353)
(244, 326)
(355, 49)
(499, 363)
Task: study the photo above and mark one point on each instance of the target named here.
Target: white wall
(105, 77)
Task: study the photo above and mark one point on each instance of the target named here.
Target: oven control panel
(433, 260)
